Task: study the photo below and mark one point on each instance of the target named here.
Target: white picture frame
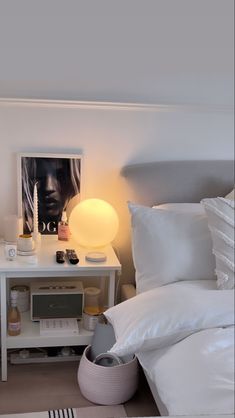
(58, 180)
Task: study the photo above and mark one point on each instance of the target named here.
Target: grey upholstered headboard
(179, 181)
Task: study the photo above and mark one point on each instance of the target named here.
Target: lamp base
(96, 257)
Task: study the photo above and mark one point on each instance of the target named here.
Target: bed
(182, 328)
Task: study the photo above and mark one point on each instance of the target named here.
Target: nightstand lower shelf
(30, 336)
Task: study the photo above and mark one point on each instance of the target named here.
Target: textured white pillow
(220, 212)
(230, 196)
(165, 315)
(169, 245)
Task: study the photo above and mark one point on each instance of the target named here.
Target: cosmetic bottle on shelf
(63, 228)
(14, 318)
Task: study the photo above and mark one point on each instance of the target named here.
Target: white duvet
(196, 375)
(183, 336)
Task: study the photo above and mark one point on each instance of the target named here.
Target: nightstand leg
(3, 328)
(103, 290)
(111, 300)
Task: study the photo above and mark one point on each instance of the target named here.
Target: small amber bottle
(63, 228)
(14, 319)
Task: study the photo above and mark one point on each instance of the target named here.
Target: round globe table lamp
(93, 224)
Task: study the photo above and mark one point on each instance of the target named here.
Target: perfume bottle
(14, 319)
(63, 228)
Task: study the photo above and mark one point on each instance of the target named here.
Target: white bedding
(195, 374)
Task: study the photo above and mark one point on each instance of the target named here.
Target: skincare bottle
(63, 228)
(14, 319)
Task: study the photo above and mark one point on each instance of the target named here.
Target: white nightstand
(47, 267)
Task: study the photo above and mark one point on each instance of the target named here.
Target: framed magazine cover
(57, 178)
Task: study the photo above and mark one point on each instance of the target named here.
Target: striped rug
(117, 411)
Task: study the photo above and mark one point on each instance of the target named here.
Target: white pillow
(169, 245)
(220, 212)
(194, 208)
(165, 315)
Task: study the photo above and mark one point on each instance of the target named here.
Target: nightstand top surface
(46, 261)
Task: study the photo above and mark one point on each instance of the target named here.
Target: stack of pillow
(177, 242)
(184, 241)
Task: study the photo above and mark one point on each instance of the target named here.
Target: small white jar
(25, 243)
(90, 321)
(10, 251)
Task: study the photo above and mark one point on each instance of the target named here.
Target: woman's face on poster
(51, 184)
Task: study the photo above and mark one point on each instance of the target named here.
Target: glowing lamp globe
(93, 223)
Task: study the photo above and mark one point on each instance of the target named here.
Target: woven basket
(107, 385)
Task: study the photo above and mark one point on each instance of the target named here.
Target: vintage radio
(56, 299)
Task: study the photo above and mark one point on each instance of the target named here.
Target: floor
(38, 387)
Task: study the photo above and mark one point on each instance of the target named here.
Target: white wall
(109, 137)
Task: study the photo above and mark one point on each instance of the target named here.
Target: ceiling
(149, 51)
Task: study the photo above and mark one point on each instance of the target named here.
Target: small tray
(96, 257)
